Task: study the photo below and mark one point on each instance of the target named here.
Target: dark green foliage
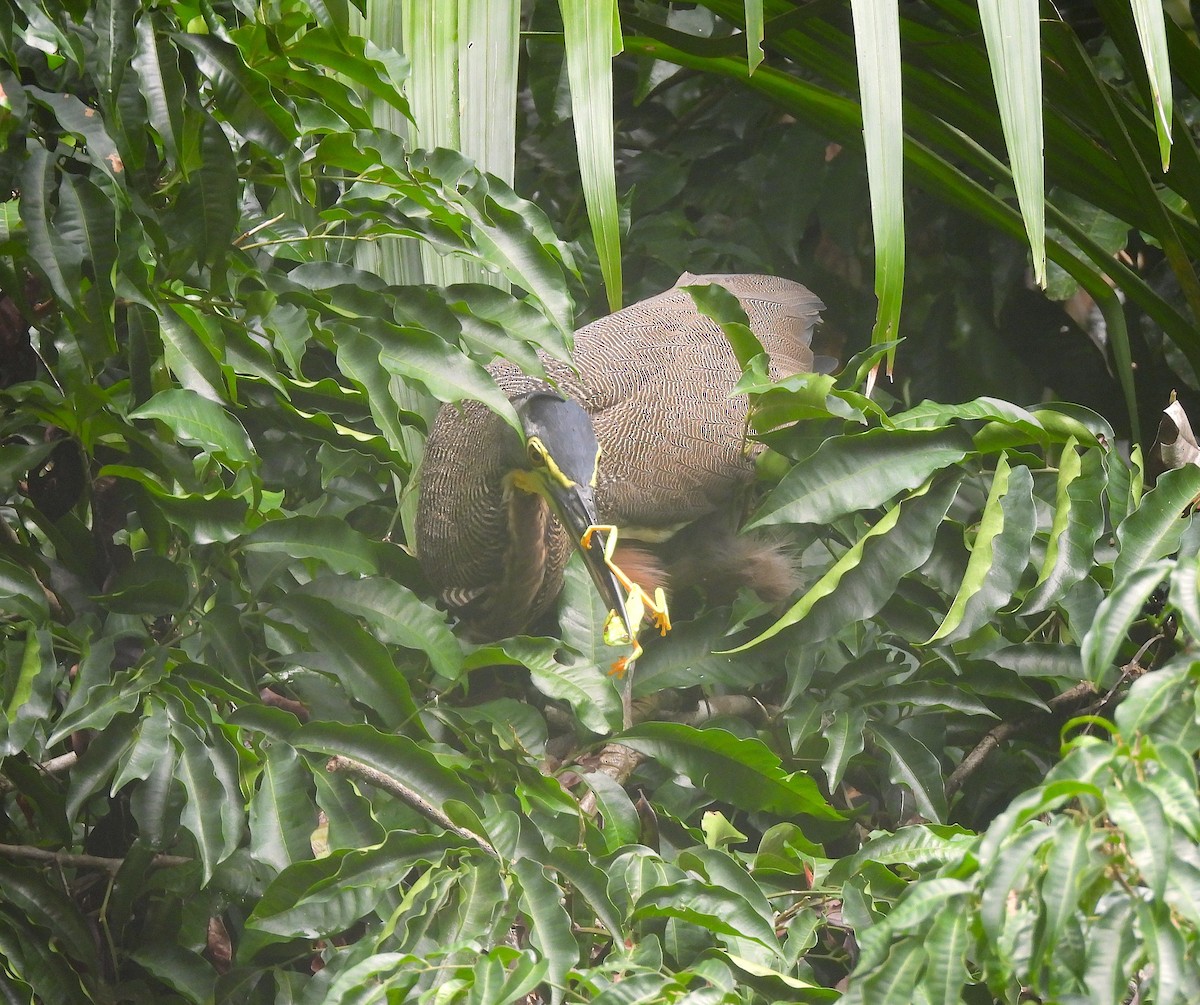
(245, 759)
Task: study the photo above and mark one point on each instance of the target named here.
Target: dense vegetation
(245, 758)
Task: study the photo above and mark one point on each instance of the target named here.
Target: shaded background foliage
(245, 759)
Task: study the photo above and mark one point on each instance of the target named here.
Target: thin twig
(375, 777)
(998, 734)
(51, 767)
(71, 860)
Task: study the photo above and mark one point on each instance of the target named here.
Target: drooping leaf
(742, 772)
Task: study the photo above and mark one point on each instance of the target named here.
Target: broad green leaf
(56, 259)
(946, 947)
(402, 758)
(1174, 974)
(396, 616)
(180, 968)
(865, 577)
(1154, 529)
(754, 34)
(912, 764)
(21, 594)
(893, 982)
(213, 810)
(281, 813)
(157, 65)
(877, 48)
(1070, 868)
(326, 539)
(44, 903)
(915, 845)
(1077, 524)
(1152, 33)
(591, 881)
(208, 203)
(592, 36)
(31, 676)
(1185, 592)
(344, 650)
(844, 737)
(1110, 944)
(1011, 30)
(713, 907)
(859, 471)
(242, 94)
(437, 366)
(321, 897)
(1008, 878)
(550, 930)
(1136, 810)
(743, 772)
(621, 825)
(998, 556)
(1149, 699)
(1116, 615)
(197, 421)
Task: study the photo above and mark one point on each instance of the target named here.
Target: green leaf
(22, 594)
(281, 812)
(946, 947)
(213, 810)
(197, 421)
(324, 538)
(396, 616)
(1137, 811)
(912, 764)
(437, 366)
(622, 825)
(859, 471)
(46, 905)
(322, 897)
(998, 556)
(551, 925)
(1077, 524)
(743, 772)
(157, 66)
(207, 205)
(1152, 34)
(877, 49)
(713, 907)
(1116, 615)
(844, 739)
(242, 94)
(1011, 29)
(1070, 868)
(592, 36)
(865, 577)
(28, 691)
(1174, 975)
(352, 655)
(1154, 529)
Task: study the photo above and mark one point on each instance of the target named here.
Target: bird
(644, 434)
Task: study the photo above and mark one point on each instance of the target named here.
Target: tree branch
(375, 777)
(998, 734)
(65, 858)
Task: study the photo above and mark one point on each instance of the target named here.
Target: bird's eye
(537, 453)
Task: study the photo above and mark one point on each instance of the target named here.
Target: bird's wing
(656, 378)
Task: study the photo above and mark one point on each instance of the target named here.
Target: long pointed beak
(575, 507)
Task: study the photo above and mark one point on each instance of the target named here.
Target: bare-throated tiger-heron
(646, 437)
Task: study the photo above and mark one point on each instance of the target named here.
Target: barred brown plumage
(655, 381)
